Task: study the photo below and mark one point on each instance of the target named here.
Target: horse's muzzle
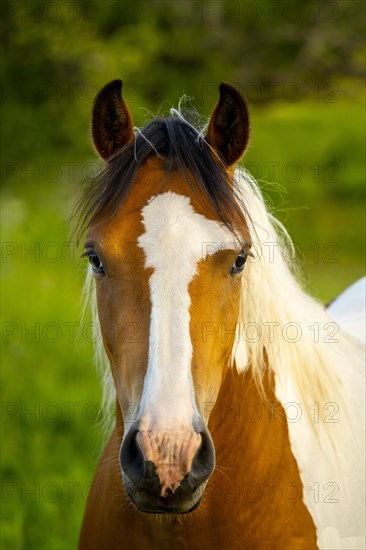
(144, 474)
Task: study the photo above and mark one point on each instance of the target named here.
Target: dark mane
(183, 149)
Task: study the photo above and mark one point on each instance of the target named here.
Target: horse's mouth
(157, 508)
(182, 501)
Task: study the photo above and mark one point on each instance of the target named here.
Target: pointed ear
(112, 125)
(228, 130)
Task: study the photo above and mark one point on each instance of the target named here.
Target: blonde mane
(293, 334)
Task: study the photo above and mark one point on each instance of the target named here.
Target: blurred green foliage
(300, 65)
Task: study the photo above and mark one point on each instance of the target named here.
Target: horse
(238, 399)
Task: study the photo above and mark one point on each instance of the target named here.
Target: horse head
(167, 242)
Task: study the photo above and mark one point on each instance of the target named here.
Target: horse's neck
(254, 494)
(250, 432)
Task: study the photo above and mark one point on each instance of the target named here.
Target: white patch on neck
(176, 238)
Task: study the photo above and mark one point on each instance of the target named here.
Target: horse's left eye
(239, 263)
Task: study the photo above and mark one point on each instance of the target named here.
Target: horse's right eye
(95, 262)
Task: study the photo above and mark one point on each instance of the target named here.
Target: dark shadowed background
(299, 63)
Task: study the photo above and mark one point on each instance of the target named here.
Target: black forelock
(183, 149)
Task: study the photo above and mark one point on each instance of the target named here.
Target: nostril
(132, 460)
(203, 462)
(150, 470)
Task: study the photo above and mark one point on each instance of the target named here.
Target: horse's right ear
(112, 125)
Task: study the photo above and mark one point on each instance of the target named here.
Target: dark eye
(95, 262)
(239, 263)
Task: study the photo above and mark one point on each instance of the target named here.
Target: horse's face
(168, 302)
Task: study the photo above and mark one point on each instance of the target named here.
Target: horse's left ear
(228, 130)
(112, 125)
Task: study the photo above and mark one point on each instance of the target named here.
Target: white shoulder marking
(349, 310)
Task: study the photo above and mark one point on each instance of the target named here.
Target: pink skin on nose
(171, 450)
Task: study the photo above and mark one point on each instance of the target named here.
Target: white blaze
(176, 238)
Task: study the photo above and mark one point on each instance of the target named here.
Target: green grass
(47, 373)
(50, 455)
